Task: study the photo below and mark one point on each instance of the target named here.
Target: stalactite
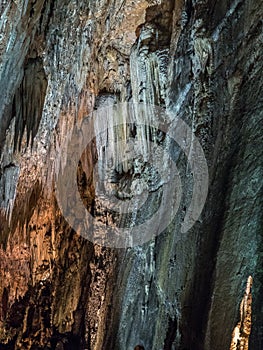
(8, 187)
(200, 59)
(29, 101)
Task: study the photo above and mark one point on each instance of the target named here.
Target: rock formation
(241, 333)
(198, 60)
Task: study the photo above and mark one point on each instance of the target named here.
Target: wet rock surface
(199, 60)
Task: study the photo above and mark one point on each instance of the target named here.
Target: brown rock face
(200, 62)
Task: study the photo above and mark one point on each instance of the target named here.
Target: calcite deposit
(199, 61)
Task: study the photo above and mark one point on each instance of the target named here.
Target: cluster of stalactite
(63, 62)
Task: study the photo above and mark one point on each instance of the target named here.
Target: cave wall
(201, 61)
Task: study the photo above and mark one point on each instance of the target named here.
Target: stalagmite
(241, 333)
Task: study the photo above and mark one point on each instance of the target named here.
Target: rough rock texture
(202, 61)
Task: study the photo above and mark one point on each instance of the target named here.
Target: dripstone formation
(201, 62)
